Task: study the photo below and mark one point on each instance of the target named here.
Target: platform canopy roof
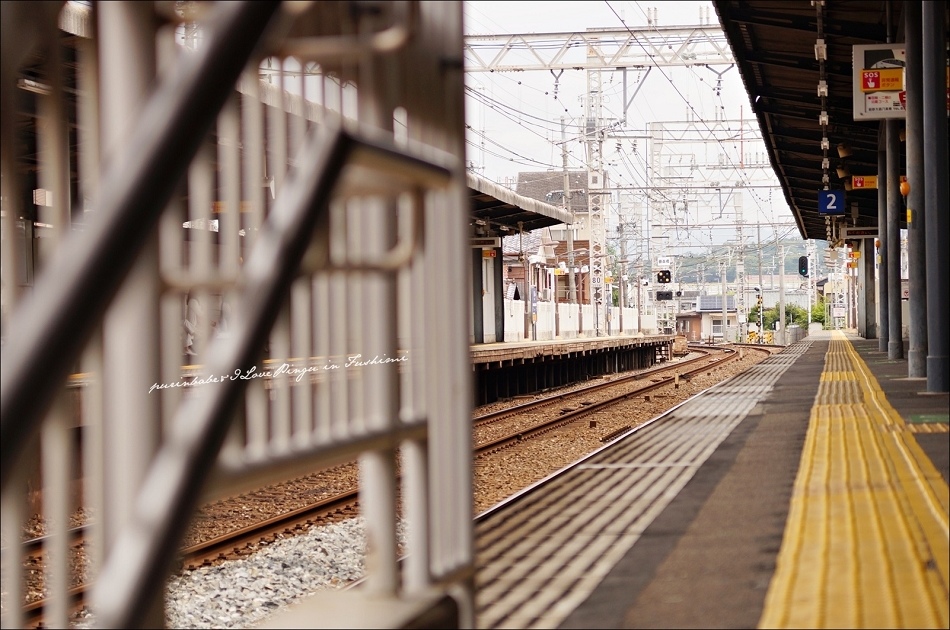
(502, 211)
(774, 45)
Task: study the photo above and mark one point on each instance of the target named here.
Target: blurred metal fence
(201, 202)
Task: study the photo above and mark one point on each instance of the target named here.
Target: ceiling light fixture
(34, 86)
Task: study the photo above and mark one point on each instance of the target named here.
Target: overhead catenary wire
(628, 168)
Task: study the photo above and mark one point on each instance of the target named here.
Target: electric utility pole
(571, 286)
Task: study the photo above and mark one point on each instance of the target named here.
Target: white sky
(527, 137)
(667, 94)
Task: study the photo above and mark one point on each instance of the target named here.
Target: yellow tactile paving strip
(867, 543)
(932, 427)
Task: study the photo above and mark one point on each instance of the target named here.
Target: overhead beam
(598, 49)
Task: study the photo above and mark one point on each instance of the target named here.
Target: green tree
(818, 310)
(794, 314)
(797, 315)
(769, 317)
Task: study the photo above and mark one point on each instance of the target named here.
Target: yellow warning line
(867, 542)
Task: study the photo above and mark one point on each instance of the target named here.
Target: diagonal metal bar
(138, 564)
(53, 325)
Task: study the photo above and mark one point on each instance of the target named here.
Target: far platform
(506, 370)
(531, 349)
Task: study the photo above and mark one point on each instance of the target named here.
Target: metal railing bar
(57, 320)
(236, 475)
(135, 572)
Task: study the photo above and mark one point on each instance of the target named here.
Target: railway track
(611, 383)
(566, 397)
(245, 540)
(625, 388)
(225, 547)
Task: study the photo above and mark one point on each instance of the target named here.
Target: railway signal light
(803, 265)
(664, 276)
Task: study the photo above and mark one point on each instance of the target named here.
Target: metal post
(639, 302)
(534, 302)
(722, 278)
(132, 419)
(571, 285)
(813, 284)
(917, 260)
(936, 193)
(761, 316)
(865, 289)
(623, 268)
(528, 285)
(758, 228)
(882, 277)
(781, 292)
(895, 345)
(885, 157)
(620, 324)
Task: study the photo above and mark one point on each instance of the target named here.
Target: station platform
(809, 492)
(531, 349)
(507, 370)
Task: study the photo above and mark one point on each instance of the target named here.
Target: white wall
(587, 320)
(488, 300)
(573, 321)
(629, 321)
(568, 320)
(514, 320)
(648, 323)
(545, 323)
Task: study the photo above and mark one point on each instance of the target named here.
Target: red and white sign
(877, 80)
(864, 181)
(870, 80)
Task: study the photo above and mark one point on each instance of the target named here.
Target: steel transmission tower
(597, 193)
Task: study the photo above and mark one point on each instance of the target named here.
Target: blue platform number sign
(830, 202)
